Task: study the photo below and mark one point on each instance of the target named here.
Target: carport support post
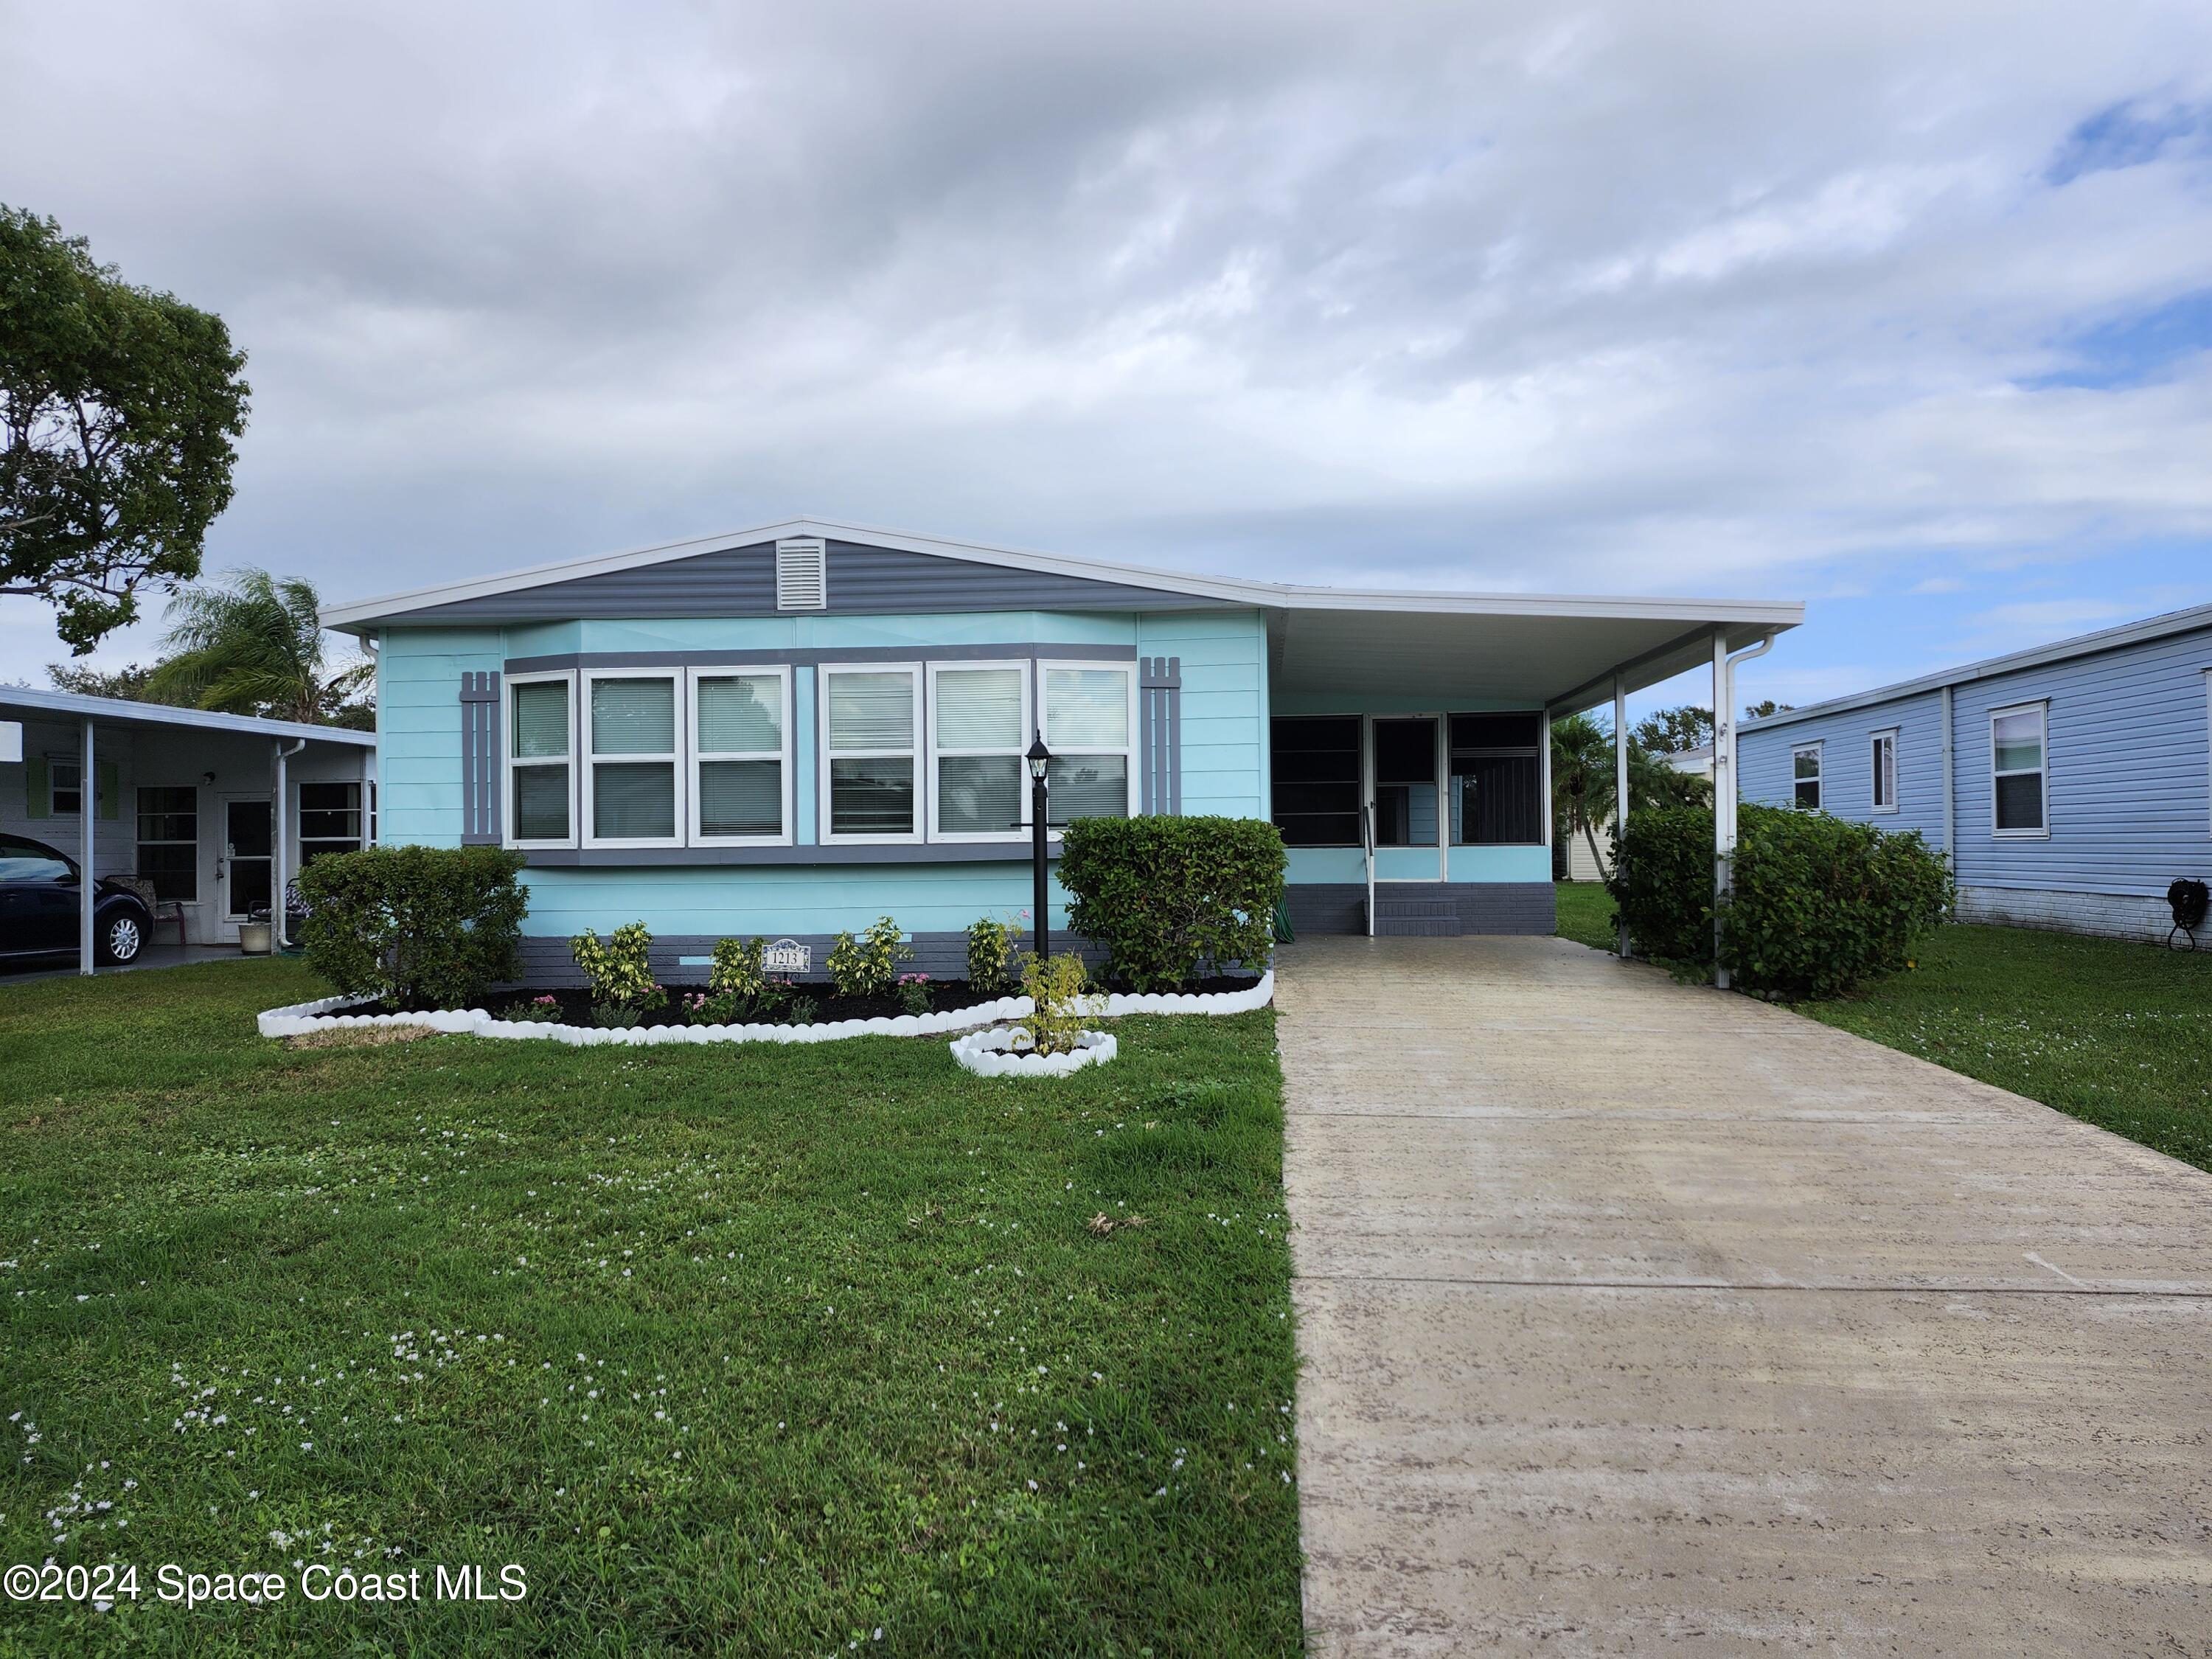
(1723, 792)
(88, 881)
(1620, 788)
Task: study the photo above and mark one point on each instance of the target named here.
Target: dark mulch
(945, 995)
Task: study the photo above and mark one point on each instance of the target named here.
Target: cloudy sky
(1905, 309)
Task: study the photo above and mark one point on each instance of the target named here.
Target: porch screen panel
(330, 820)
(169, 841)
(1314, 763)
(1406, 782)
(1497, 779)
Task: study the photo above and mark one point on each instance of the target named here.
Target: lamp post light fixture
(1040, 762)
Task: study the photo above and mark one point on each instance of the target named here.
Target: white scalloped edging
(1003, 1052)
(304, 1018)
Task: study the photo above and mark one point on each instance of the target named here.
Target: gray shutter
(480, 758)
(1159, 735)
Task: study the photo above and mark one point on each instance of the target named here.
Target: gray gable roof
(863, 579)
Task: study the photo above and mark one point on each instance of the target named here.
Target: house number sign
(787, 955)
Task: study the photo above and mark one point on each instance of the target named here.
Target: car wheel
(121, 940)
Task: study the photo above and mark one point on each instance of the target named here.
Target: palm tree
(253, 644)
(1582, 778)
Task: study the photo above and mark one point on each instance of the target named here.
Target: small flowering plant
(538, 1010)
(913, 994)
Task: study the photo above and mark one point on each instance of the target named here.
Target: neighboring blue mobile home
(2071, 784)
(792, 730)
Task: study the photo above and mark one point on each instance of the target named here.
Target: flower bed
(338, 1013)
(1005, 1051)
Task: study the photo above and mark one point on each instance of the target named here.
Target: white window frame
(916, 751)
(590, 757)
(1819, 780)
(54, 787)
(2041, 709)
(1129, 751)
(695, 755)
(508, 817)
(1882, 746)
(1021, 665)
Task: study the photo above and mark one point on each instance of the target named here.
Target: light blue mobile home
(2071, 784)
(791, 730)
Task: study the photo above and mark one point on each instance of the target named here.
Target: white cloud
(1669, 297)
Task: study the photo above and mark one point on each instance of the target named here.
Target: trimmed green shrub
(868, 966)
(1819, 904)
(1662, 881)
(420, 926)
(1167, 896)
(1822, 904)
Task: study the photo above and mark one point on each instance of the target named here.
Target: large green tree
(119, 407)
(253, 644)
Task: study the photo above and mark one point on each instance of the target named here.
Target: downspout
(1950, 803)
(1724, 781)
(88, 881)
(279, 911)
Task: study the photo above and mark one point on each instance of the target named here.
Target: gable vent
(802, 581)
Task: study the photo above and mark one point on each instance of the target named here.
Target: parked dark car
(38, 901)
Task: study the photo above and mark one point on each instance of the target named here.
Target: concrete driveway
(1637, 1316)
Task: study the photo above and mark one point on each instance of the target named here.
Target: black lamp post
(1040, 760)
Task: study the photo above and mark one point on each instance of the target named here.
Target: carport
(207, 806)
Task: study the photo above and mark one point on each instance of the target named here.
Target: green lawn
(1585, 912)
(2117, 1034)
(746, 1349)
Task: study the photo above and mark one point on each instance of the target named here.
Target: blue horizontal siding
(1765, 761)
(2129, 780)
(1224, 672)
(773, 901)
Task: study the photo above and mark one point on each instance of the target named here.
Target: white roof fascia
(122, 711)
(1267, 595)
(2081, 645)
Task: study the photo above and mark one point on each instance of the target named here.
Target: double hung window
(541, 747)
(2017, 771)
(1090, 711)
(979, 732)
(870, 737)
(1884, 765)
(631, 739)
(1805, 776)
(741, 774)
